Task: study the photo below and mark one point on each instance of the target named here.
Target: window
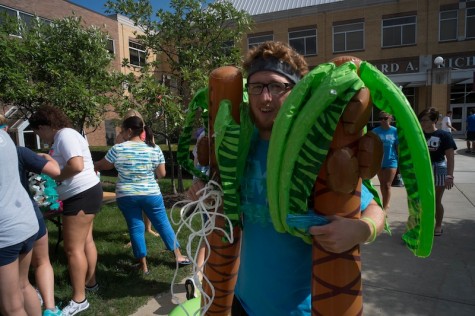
(26, 18)
(110, 46)
(304, 41)
(399, 31)
(110, 132)
(6, 12)
(470, 23)
(448, 25)
(258, 39)
(9, 15)
(228, 47)
(411, 96)
(137, 54)
(462, 94)
(348, 37)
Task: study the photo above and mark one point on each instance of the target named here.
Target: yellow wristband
(374, 231)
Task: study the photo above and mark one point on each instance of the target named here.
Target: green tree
(195, 37)
(62, 63)
(158, 107)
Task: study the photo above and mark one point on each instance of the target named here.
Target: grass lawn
(122, 290)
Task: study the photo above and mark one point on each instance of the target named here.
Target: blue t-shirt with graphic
(390, 143)
(275, 268)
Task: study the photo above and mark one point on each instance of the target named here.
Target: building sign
(397, 66)
(411, 65)
(458, 61)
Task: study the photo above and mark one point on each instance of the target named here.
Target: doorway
(460, 112)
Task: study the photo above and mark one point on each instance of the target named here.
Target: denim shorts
(11, 253)
(440, 171)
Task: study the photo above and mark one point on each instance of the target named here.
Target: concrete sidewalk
(395, 282)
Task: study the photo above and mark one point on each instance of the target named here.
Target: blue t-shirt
(390, 143)
(275, 268)
(136, 163)
(471, 123)
(29, 161)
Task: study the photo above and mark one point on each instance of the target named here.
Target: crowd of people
(23, 234)
(272, 69)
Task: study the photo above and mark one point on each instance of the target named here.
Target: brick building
(403, 38)
(120, 30)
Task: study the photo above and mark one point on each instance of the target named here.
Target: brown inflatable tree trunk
(222, 266)
(336, 277)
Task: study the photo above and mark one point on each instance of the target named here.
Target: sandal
(184, 262)
(438, 233)
(138, 267)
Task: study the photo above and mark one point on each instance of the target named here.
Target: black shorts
(471, 136)
(89, 201)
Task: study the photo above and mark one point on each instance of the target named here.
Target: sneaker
(73, 308)
(55, 312)
(93, 289)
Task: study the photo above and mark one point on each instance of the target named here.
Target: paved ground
(398, 283)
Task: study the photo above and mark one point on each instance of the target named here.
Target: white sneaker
(39, 296)
(73, 308)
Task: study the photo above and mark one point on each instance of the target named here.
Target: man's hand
(341, 234)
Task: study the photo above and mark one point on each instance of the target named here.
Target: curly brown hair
(51, 116)
(280, 51)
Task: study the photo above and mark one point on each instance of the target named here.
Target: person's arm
(449, 124)
(341, 234)
(449, 179)
(51, 168)
(74, 166)
(160, 171)
(103, 164)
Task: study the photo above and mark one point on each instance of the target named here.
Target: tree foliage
(191, 39)
(153, 100)
(62, 63)
(194, 37)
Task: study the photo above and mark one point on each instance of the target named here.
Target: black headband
(275, 65)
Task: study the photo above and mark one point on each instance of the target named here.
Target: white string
(207, 206)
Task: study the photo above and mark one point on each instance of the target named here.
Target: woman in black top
(441, 149)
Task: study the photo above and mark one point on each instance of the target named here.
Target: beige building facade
(426, 47)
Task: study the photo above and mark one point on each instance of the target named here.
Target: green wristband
(374, 232)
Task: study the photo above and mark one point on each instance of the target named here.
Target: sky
(98, 5)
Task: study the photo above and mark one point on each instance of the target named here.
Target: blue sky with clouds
(98, 5)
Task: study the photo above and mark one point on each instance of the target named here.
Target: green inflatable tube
(188, 308)
(414, 159)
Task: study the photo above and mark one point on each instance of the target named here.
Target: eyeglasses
(385, 118)
(274, 88)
